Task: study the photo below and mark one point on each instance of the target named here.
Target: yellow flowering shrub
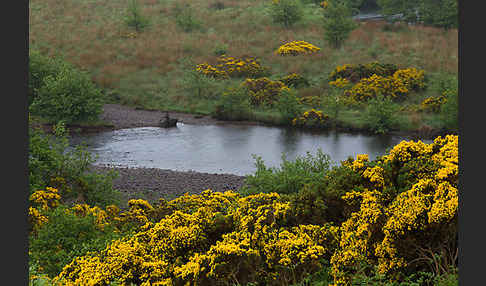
(311, 117)
(340, 82)
(407, 219)
(399, 214)
(370, 87)
(432, 103)
(296, 48)
(36, 219)
(46, 200)
(264, 90)
(101, 217)
(413, 78)
(354, 73)
(233, 67)
(373, 79)
(225, 239)
(294, 80)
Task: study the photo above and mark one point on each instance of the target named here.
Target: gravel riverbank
(151, 183)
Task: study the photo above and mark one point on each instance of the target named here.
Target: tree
(338, 22)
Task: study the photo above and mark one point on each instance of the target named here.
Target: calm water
(224, 148)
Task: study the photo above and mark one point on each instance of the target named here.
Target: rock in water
(168, 122)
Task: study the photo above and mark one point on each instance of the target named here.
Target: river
(224, 148)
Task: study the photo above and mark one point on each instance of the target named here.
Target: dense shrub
(233, 67)
(40, 67)
(290, 177)
(233, 104)
(391, 221)
(264, 91)
(295, 80)
(65, 236)
(449, 111)
(381, 114)
(53, 163)
(288, 105)
(407, 216)
(354, 73)
(70, 96)
(296, 48)
(398, 86)
(286, 12)
(432, 103)
(311, 118)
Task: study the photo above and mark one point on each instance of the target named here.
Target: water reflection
(225, 148)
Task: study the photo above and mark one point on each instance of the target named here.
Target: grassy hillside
(143, 68)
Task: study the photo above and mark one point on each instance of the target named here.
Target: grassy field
(143, 68)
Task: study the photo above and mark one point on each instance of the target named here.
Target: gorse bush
(397, 85)
(286, 12)
(264, 91)
(354, 73)
(311, 118)
(65, 236)
(296, 48)
(69, 95)
(233, 67)
(295, 80)
(390, 221)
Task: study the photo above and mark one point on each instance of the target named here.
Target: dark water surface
(225, 148)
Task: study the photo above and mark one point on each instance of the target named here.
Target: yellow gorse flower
(296, 48)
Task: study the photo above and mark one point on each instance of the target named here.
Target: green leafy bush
(286, 12)
(69, 95)
(53, 163)
(40, 67)
(64, 237)
(288, 105)
(290, 177)
(233, 104)
(381, 114)
(449, 111)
